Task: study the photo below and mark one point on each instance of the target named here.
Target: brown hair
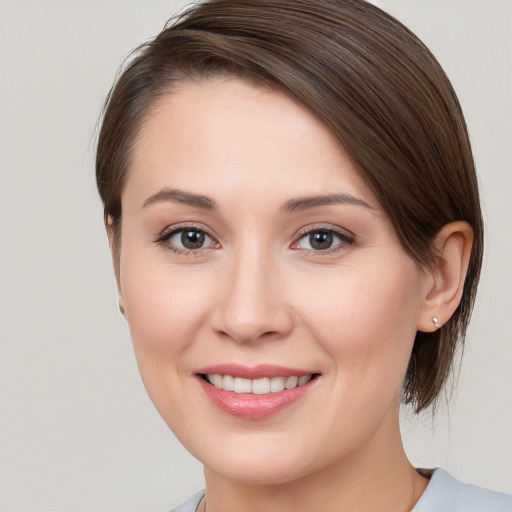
(370, 80)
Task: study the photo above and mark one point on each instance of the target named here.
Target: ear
(109, 227)
(444, 283)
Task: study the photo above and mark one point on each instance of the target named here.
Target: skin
(257, 293)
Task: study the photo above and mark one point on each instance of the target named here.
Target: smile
(255, 393)
(261, 386)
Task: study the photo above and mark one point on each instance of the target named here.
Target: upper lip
(254, 372)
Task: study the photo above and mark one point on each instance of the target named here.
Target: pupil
(320, 240)
(192, 239)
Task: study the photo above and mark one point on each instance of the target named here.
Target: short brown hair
(370, 80)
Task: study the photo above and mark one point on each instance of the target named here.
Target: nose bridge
(252, 305)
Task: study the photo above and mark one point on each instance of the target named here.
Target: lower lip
(250, 406)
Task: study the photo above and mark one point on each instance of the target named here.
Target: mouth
(260, 386)
(255, 393)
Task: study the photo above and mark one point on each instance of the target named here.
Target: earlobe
(445, 282)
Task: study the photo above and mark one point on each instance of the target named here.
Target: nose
(252, 303)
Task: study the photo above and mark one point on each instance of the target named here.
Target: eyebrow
(182, 197)
(291, 206)
(305, 203)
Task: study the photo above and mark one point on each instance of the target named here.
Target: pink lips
(247, 405)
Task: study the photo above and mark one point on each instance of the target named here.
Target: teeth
(276, 384)
(242, 385)
(291, 382)
(303, 380)
(261, 386)
(228, 382)
(257, 386)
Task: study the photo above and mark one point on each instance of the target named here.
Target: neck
(377, 476)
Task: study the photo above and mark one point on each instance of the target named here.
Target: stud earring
(435, 320)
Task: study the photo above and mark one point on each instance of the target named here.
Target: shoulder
(191, 504)
(443, 494)
(446, 494)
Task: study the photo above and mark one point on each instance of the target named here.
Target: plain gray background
(77, 431)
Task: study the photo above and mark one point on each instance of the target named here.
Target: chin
(258, 471)
(264, 459)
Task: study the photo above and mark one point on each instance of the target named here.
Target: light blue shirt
(446, 494)
(443, 494)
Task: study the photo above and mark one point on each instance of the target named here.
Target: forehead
(212, 133)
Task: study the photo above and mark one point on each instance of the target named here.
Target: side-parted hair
(370, 80)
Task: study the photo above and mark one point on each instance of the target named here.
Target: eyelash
(163, 239)
(344, 239)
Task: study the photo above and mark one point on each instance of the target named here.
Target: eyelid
(165, 235)
(184, 225)
(324, 227)
(346, 236)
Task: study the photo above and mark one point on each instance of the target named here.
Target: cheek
(365, 320)
(165, 309)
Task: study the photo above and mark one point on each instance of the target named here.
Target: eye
(189, 239)
(186, 239)
(322, 239)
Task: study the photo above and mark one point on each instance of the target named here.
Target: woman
(293, 213)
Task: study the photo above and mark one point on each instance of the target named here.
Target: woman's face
(252, 250)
